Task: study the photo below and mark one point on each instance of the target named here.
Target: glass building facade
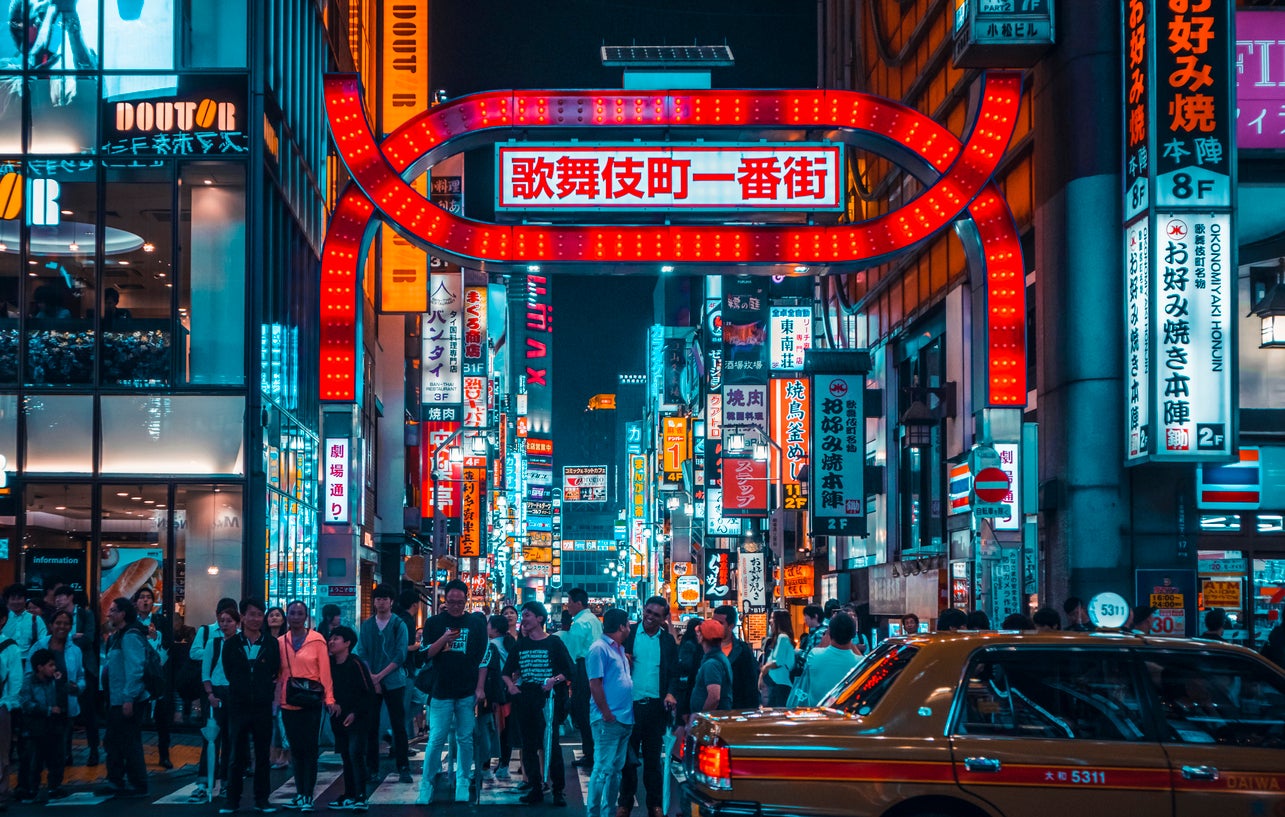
(159, 234)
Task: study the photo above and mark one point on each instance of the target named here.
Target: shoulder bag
(305, 693)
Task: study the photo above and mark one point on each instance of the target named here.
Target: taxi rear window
(869, 681)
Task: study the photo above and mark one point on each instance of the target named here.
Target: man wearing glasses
(456, 643)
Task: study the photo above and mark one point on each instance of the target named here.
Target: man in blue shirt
(611, 710)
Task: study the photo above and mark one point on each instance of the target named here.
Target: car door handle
(1200, 772)
(982, 764)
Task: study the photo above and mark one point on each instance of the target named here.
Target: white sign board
(641, 176)
(442, 365)
(335, 500)
(791, 337)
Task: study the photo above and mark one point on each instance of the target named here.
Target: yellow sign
(403, 50)
(1167, 601)
(638, 486)
(537, 554)
(403, 268)
(676, 448)
(1222, 594)
(798, 580)
(471, 498)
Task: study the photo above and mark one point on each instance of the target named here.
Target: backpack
(187, 682)
(153, 672)
(4, 645)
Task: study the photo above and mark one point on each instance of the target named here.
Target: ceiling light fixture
(149, 246)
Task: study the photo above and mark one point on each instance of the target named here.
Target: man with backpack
(23, 626)
(125, 669)
(10, 687)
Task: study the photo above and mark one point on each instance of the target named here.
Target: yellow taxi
(1006, 723)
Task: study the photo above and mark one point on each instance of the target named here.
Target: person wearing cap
(712, 690)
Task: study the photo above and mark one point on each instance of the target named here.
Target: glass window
(64, 114)
(214, 34)
(59, 530)
(1268, 583)
(134, 544)
(138, 34)
(1218, 698)
(136, 290)
(178, 434)
(60, 433)
(61, 212)
(208, 539)
(10, 268)
(10, 112)
(9, 433)
(861, 691)
(211, 280)
(1046, 694)
(1220, 522)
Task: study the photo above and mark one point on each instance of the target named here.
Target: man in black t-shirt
(456, 645)
(537, 666)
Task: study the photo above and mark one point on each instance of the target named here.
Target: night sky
(477, 45)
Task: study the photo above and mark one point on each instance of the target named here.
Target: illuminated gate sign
(956, 175)
(789, 176)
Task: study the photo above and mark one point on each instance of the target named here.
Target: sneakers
(360, 804)
(265, 808)
(227, 809)
(488, 776)
(559, 800)
(296, 802)
(306, 804)
(343, 804)
(502, 773)
(403, 776)
(199, 795)
(532, 798)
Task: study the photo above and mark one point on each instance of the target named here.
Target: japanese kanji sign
(1191, 333)
(335, 500)
(676, 448)
(472, 498)
(745, 484)
(716, 524)
(751, 575)
(745, 316)
(584, 483)
(640, 176)
(792, 430)
(443, 340)
(791, 337)
(838, 454)
(718, 576)
(1179, 232)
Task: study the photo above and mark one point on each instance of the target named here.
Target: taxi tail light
(714, 764)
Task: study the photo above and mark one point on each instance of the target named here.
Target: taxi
(1006, 723)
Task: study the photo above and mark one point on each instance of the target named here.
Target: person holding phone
(456, 645)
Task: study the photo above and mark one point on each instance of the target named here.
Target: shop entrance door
(1242, 571)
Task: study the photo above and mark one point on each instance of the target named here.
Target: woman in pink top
(304, 655)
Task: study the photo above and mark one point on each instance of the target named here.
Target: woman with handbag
(303, 690)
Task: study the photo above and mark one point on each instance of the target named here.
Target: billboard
(791, 336)
(838, 455)
(745, 317)
(585, 483)
(745, 487)
(676, 448)
(639, 176)
(336, 498)
(442, 361)
(792, 431)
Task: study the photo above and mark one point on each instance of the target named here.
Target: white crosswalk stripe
(80, 798)
(286, 792)
(391, 793)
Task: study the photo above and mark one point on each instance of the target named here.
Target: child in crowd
(44, 701)
(357, 715)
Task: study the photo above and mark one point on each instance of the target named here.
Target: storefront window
(59, 529)
(1268, 598)
(10, 114)
(211, 281)
(60, 433)
(64, 114)
(11, 196)
(173, 434)
(134, 548)
(214, 34)
(138, 34)
(61, 211)
(136, 287)
(209, 538)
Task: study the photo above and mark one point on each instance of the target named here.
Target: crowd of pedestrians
(270, 682)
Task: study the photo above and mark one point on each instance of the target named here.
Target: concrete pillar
(1084, 497)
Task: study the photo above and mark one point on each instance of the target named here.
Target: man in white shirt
(10, 686)
(585, 630)
(22, 626)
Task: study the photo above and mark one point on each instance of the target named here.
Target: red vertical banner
(791, 429)
(439, 494)
(744, 487)
(471, 502)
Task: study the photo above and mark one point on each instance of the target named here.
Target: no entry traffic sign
(991, 485)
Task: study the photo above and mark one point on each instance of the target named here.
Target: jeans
(351, 742)
(246, 723)
(124, 744)
(46, 745)
(395, 701)
(611, 744)
(440, 713)
(303, 730)
(647, 742)
(486, 740)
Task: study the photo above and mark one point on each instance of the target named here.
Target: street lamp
(734, 438)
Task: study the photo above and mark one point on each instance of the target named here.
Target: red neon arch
(965, 170)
